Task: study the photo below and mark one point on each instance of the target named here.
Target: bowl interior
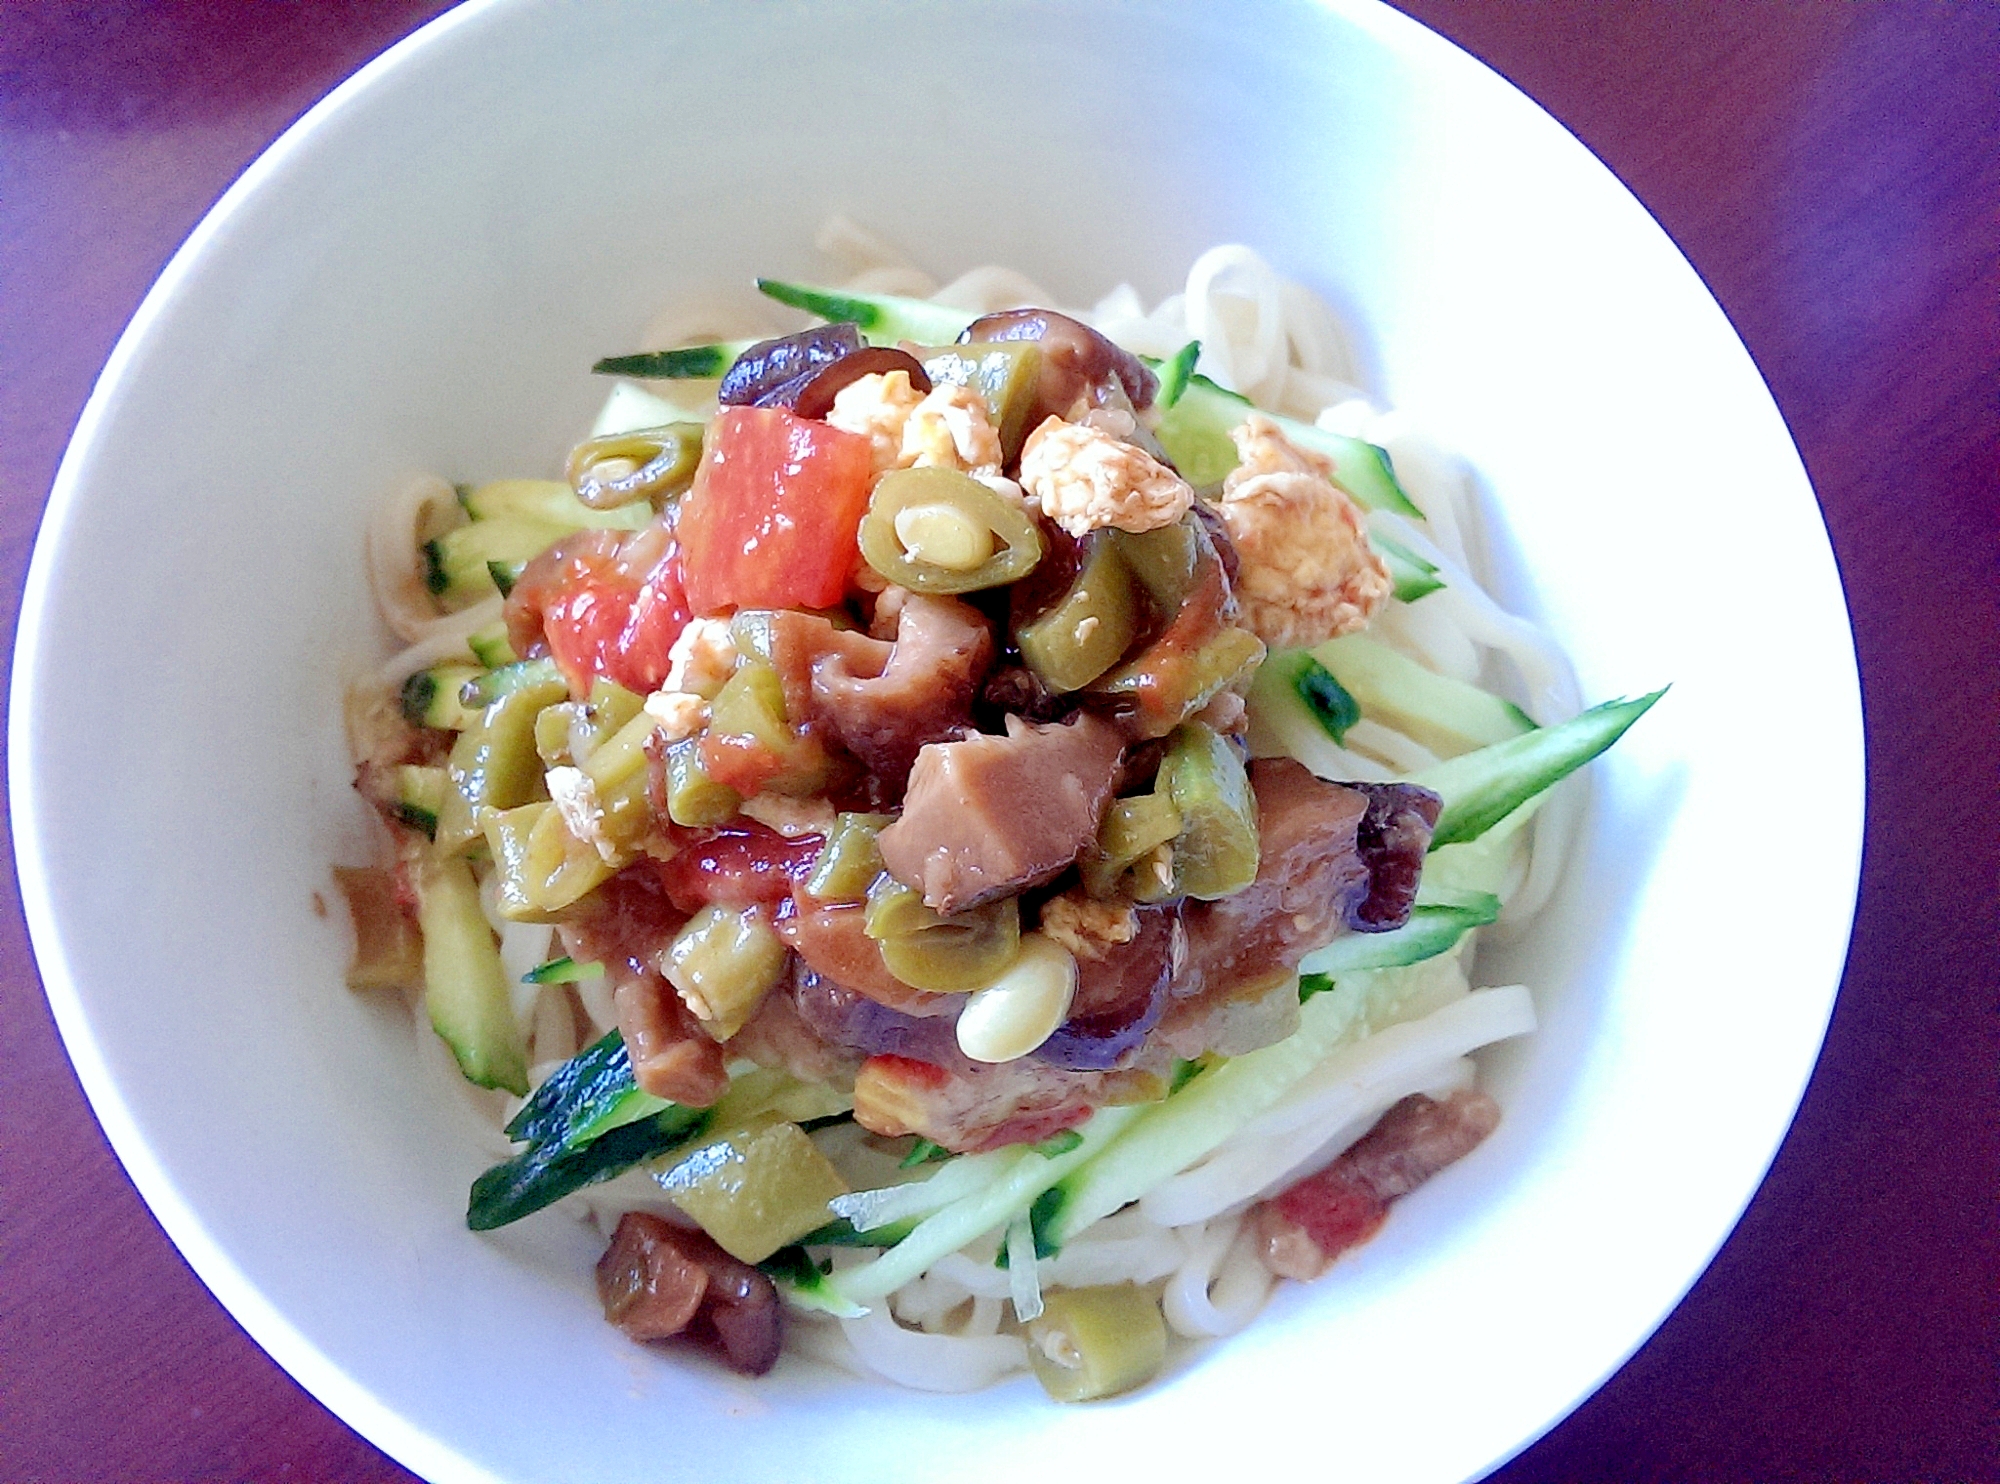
(417, 279)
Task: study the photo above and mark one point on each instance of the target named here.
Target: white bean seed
(1022, 1008)
(941, 535)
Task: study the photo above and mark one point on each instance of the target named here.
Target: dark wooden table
(1832, 169)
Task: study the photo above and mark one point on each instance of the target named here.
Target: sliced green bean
(935, 530)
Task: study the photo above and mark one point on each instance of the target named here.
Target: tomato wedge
(605, 603)
(772, 516)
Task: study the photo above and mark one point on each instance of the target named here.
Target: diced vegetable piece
(1133, 829)
(551, 502)
(471, 1004)
(751, 745)
(935, 530)
(494, 764)
(1168, 687)
(695, 800)
(690, 363)
(1095, 1342)
(1447, 716)
(756, 1190)
(771, 519)
(649, 466)
(543, 868)
(1089, 627)
(850, 860)
(1482, 788)
(946, 955)
(1005, 375)
(1215, 853)
(431, 698)
(388, 950)
(883, 318)
(723, 963)
(1433, 928)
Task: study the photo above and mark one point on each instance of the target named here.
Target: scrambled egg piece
(877, 406)
(947, 427)
(1086, 926)
(703, 657)
(576, 800)
(1085, 478)
(950, 428)
(679, 713)
(1307, 573)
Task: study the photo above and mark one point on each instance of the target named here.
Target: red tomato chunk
(771, 519)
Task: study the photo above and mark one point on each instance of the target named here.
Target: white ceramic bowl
(416, 277)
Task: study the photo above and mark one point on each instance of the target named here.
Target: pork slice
(1303, 1228)
(986, 817)
(885, 702)
(1309, 870)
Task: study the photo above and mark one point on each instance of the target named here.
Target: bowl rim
(351, 1399)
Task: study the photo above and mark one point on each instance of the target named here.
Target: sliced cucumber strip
(465, 988)
(1447, 716)
(883, 319)
(553, 503)
(1433, 928)
(689, 363)
(1482, 788)
(1413, 577)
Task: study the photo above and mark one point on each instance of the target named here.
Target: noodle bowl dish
(866, 819)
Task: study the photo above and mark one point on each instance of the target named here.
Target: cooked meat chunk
(964, 1105)
(1309, 868)
(1303, 1229)
(989, 816)
(884, 702)
(672, 1056)
(657, 1280)
(1307, 572)
(1394, 837)
(1122, 973)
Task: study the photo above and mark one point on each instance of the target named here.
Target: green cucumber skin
(1174, 373)
(1482, 788)
(1448, 716)
(1359, 467)
(484, 690)
(465, 989)
(1413, 577)
(883, 319)
(545, 1173)
(690, 363)
(1433, 928)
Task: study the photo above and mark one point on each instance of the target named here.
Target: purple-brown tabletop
(1832, 169)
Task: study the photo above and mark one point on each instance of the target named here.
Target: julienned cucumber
(1482, 788)
(1433, 928)
(587, 1122)
(691, 363)
(1168, 1137)
(994, 1205)
(545, 1173)
(550, 502)
(465, 988)
(883, 319)
(1413, 577)
(1447, 716)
